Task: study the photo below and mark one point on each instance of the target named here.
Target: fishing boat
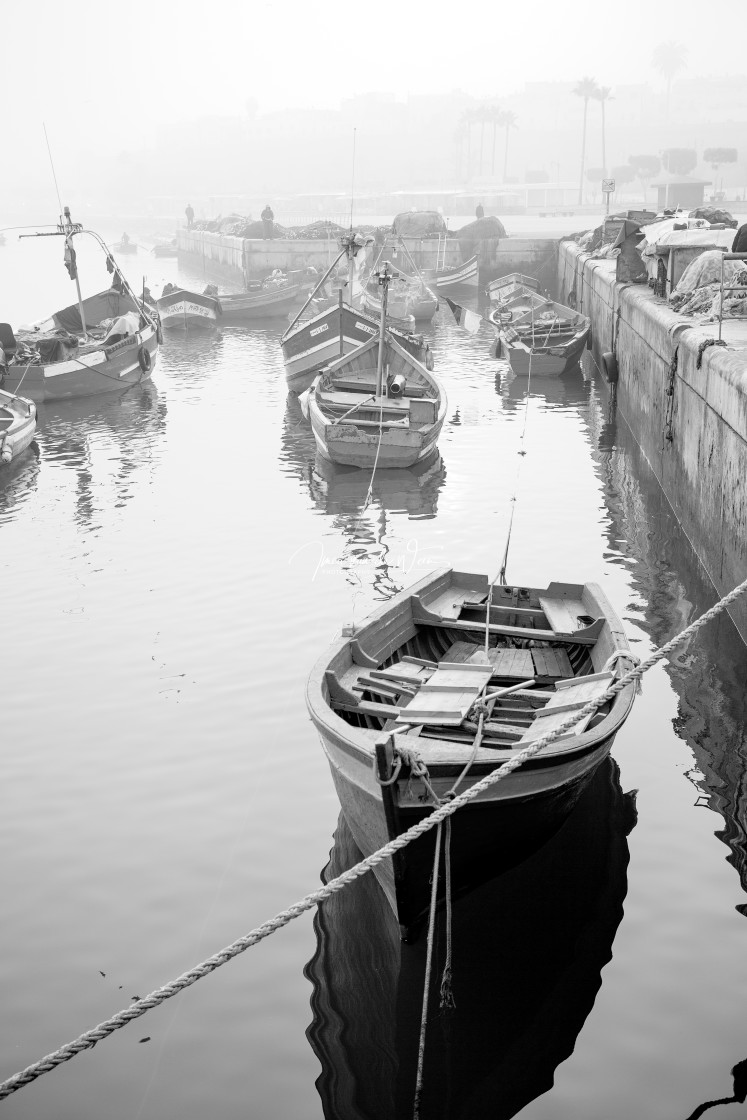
(17, 425)
(263, 300)
(446, 278)
(395, 699)
(182, 310)
(377, 406)
(409, 296)
(165, 248)
(547, 340)
(325, 329)
(96, 345)
(504, 287)
(125, 245)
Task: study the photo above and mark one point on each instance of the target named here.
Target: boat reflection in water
(528, 950)
(18, 480)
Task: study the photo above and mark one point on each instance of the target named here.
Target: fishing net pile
(715, 215)
(699, 289)
(419, 223)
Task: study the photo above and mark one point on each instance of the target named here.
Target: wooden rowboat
(499, 290)
(17, 425)
(263, 302)
(547, 340)
(183, 310)
(409, 295)
(400, 689)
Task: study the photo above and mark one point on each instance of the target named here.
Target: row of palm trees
(667, 58)
(484, 115)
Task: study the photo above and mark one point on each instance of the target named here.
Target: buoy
(609, 368)
(428, 358)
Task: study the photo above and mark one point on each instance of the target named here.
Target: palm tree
(465, 123)
(495, 117)
(668, 58)
(481, 114)
(507, 118)
(586, 88)
(602, 95)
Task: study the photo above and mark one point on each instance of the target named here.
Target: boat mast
(384, 278)
(66, 224)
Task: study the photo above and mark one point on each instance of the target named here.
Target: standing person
(740, 240)
(479, 210)
(190, 215)
(268, 219)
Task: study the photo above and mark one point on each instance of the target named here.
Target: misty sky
(82, 66)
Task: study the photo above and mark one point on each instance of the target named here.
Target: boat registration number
(320, 330)
(364, 328)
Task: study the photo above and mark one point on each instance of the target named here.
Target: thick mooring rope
(89, 1038)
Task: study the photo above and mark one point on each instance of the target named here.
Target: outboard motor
(396, 385)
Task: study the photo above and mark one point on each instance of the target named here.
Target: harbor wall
(241, 259)
(686, 407)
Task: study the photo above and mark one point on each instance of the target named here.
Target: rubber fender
(429, 359)
(144, 359)
(497, 349)
(609, 368)
(589, 343)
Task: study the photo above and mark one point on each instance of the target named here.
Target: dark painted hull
(554, 918)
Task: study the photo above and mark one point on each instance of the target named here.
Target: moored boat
(17, 425)
(546, 340)
(505, 286)
(124, 245)
(377, 406)
(324, 330)
(394, 702)
(182, 310)
(266, 300)
(96, 345)
(165, 248)
(409, 295)
(453, 277)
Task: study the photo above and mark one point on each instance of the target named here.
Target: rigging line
(522, 455)
(428, 968)
(54, 175)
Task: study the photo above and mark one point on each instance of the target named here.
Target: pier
(685, 401)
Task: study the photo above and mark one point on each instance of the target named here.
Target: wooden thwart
(448, 695)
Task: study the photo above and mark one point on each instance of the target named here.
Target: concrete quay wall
(690, 422)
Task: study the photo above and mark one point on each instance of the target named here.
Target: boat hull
(247, 306)
(187, 311)
(100, 371)
(543, 362)
(18, 435)
(497, 831)
(455, 278)
(333, 333)
(347, 445)
(422, 308)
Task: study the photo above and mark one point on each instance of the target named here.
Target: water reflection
(528, 950)
(708, 674)
(566, 391)
(18, 480)
(110, 438)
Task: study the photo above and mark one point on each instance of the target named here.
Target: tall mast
(384, 279)
(66, 224)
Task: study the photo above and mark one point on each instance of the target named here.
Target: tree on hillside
(507, 118)
(603, 94)
(668, 58)
(679, 161)
(586, 88)
(644, 168)
(717, 156)
(494, 115)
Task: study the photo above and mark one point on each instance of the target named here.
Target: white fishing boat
(17, 425)
(95, 345)
(377, 405)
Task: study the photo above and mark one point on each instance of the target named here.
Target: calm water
(174, 561)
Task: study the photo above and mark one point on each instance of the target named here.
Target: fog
(148, 106)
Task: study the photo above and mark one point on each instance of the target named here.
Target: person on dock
(740, 240)
(268, 220)
(479, 210)
(190, 215)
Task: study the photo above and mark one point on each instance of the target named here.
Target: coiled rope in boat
(89, 1038)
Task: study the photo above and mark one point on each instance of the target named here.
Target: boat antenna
(54, 175)
(352, 183)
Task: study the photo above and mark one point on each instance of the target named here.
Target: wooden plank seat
(521, 664)
(564, 614)
(568, 696)
(349, 400)
(587, 636)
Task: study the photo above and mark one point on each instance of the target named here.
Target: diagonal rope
(89, 1038)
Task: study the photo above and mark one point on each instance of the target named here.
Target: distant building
(680, 190)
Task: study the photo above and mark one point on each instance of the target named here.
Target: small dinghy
(395, 703)
(505, 286)
(546, 340)
(17, 425)
(377, 406)
(179, 309)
